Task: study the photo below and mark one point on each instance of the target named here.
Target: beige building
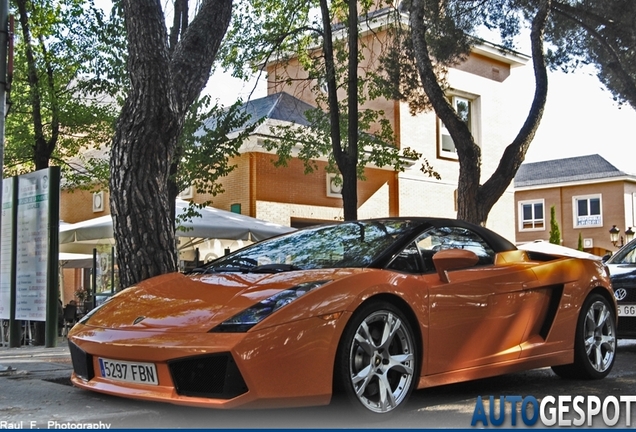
(590, 196)
(493, 88)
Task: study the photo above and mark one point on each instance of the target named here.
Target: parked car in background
(622, 267)
(370, 310)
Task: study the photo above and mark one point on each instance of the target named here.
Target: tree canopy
(598, 33)
(62, 99)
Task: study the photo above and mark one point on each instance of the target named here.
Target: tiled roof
(277, 106)
(567, 170)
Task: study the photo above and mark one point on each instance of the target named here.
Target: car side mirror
(606, 257)
(453, 259)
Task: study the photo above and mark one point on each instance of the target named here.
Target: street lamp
(614, 235)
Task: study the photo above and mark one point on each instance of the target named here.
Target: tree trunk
(474, 201)
(43, 147)
(164, 84)
(346, 164)
(350, 196)
(349, 190)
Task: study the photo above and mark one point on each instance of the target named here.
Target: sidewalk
(37, 393)
(28, 356)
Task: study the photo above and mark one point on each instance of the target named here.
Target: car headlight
(247, 319)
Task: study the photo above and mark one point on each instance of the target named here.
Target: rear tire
(377, 361)
(595, 341)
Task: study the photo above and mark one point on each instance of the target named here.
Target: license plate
(133, 372)
(627, 310)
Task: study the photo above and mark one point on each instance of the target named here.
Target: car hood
(196, 303)
(622, 272)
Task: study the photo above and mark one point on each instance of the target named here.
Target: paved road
(35, 391)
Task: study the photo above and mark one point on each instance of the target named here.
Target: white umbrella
(75, 260)
(213, 223)
(87, 231)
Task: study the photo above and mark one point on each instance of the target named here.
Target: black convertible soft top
(421, 224)
(497, 242)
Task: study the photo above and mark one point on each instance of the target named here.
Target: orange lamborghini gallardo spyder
(370, 310)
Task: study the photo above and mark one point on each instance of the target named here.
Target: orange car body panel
(488, 320)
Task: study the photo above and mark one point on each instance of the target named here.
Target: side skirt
(502, 368)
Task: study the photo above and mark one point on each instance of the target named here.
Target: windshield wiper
(274, 268)
(244, 265)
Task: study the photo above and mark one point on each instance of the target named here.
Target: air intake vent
(82, 362)
(215, 376)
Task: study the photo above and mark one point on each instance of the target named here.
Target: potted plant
(81, 295)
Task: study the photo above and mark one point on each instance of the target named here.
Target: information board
(32, 246)
(5, 248)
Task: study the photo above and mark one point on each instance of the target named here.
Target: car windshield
(349, 244)
(626, 255)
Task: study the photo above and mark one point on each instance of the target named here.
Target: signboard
(29, 253)
(32, 246)
(5, 248)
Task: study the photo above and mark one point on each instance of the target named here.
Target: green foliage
(599, 33)
(555, 233)
(580, 243)
(314, 141)
(211, 136)
(262, 30)
(65, 87)
(452, 27)
(292, 29)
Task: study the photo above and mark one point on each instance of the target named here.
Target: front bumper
(283, 366)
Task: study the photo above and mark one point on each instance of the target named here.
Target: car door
(482, 313)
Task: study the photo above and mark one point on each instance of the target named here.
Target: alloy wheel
(599, 336)
(382, 361)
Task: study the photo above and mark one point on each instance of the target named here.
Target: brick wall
(617, 207)
(257, 179)
(77, 205)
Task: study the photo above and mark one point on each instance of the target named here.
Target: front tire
(595, 341)
(377, 360)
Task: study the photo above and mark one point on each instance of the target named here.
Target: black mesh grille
(214, 376)
(82, 362)
(626, 327)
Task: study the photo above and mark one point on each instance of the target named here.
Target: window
(334, 186)
(407, 261)
(465, 108)
(587, 211)
(531, 215)
(98, 201)
(187, 193)
(436, 239)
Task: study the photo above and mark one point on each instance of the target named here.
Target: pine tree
(580, 245)
(555, 233)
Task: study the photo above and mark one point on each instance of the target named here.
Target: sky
(580, 119)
